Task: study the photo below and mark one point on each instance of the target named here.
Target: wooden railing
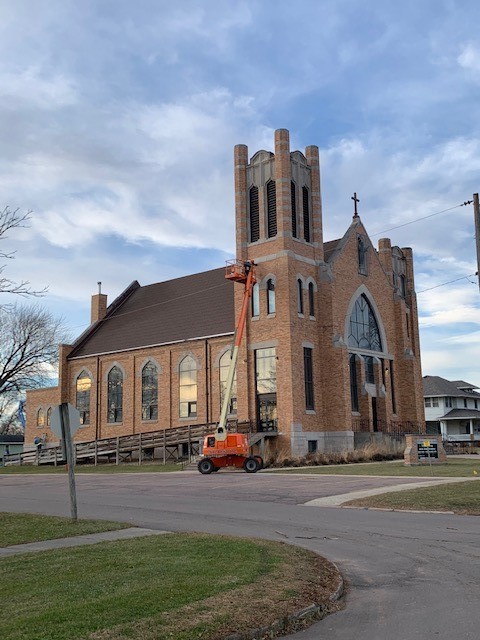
(121, 448)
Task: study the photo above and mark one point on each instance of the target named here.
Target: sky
(118, 121)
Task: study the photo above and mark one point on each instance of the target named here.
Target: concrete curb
(312, 613)
(77, 541)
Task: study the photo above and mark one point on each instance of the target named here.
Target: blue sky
(118, 121)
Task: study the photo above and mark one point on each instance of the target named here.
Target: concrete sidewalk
(78, 541)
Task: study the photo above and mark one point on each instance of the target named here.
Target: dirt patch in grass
(175, 587)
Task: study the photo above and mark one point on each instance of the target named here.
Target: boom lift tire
(259, 459)
(206, 466)
(251, 465)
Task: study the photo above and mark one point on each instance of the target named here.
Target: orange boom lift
(223, 449)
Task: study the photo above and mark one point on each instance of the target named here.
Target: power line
(449, 282)
(437, 213)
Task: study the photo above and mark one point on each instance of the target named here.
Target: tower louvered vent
(271, 209)
(254, 215)
(306, 215)
(294, 210)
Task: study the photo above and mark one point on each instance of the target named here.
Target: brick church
(331, 345)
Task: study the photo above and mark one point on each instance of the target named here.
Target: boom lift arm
(243, 272)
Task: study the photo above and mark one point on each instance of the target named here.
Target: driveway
(411, 575)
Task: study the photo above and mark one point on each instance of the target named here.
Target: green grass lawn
(125, 467)
(454, 468)
(18, 528)
(462, 498)
(175, 587)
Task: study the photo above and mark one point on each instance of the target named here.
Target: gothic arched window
(270, 296)
(115, 395)
(224, 367)
(256, 300)
(149, 392)
(82, 402)
(254, 215)
(364, 332)
(299, 296)
(188, 388)
(271, 209)
(311, 299)
(41, 418)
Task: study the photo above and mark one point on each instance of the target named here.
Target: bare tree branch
(13, 220)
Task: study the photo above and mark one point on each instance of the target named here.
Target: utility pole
(476, 211)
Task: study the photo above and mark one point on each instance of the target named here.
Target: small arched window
(82, 402)
(188, 387)
(49, 416)
(271, 209)
(311, 299)
(41, 418)
(224, 367)
(115, 395)
(364, 331)
(299, 296)
(294, 209)
(149, 392)
(254, 215)
(256, 300)
(270, 296)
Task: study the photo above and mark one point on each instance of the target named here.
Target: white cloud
(469, 58)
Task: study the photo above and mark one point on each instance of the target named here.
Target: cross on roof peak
(355, 200)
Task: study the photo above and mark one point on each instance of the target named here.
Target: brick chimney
(99, 305)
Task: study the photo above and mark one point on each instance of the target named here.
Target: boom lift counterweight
(223, 449)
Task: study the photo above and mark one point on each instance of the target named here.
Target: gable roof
(195, 306)
(437, 386)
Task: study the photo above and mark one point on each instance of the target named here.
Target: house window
(448, 402)
(83, 388)
(362, 255)
(254, 215)
(308, 373)
(434, 402)
(428, 402)
(270, 296)
(299, 296)
(311, 299)
(266, 370)
(40, 418)
(224, 367)
(353, 382)
(115, 395)
(465, 403)
(364, 331)
(256, 300)
(188, 388)
(149, 392)
(312, 446)
(475, 404)
(271, 209)
(306, 215)
(294, 209)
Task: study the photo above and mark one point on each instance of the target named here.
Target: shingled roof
(194, 306)
(437, 386)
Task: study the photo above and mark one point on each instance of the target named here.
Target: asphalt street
(410, 575)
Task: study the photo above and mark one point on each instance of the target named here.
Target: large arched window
(115, 395)
(224, 367)
(254, 215)
(149, 392)
(188, 388)
(82, 402)
(364, 332)
(271, 209)
(270, 296)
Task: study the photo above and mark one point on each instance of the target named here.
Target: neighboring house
(10, 443)
(452, 408)
(331, 344)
